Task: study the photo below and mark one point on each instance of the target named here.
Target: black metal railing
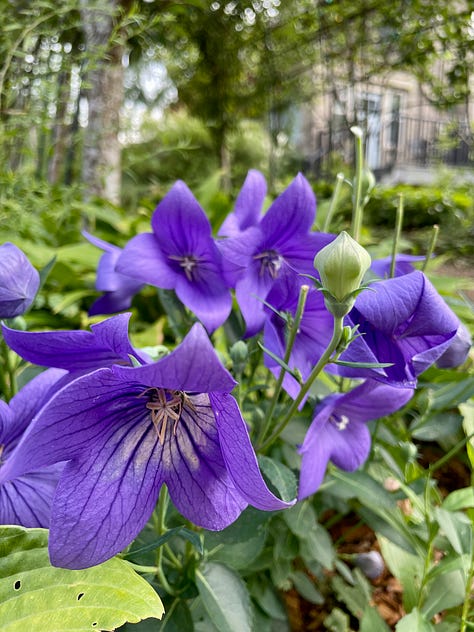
(399, 141)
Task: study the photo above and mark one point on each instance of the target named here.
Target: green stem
(322, 362)
(142, 569)
(467, 601)
(334, 200)
(357, 209)
(431, 247)
(289, 348)
(398, 231)
(161, 528)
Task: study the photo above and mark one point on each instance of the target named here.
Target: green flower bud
(239, 354)
(341, 265)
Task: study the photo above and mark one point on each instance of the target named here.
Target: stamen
(270, 261)
(164, 405)
(340, 421)
(188, 263)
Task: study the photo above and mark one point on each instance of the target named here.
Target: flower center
(187, 263)
(340, 421)
(270, 261)
(164, 405)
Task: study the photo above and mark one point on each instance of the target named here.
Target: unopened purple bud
(19, 281)
(371, 564)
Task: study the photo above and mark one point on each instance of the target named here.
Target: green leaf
(451, 394)
(191, 536)
(458, 529)
(459, 499)
(37, 596)
(306, 588)
(372, 622)
(407, 568)
(414, 622)
(280, 362)
(225, 598)
(280, 476)
(443, 592)
(363, 365)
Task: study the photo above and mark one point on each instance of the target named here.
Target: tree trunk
(101, 174)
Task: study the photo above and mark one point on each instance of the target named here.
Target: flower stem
(357, 183)
(289, 347)
(161, 528)
(398, 231)
(334, 200)
(431, 247)
(322, 362)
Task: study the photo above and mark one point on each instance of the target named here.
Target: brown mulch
(355, 537)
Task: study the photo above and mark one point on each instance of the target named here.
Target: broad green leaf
(372, 622)
(414, 622)
(280, 476)
(300, 518)
(457, 528)
(225, 598)
(37, 596)
(443, 592)
(459, 499)
(451, 394)
(405, 567)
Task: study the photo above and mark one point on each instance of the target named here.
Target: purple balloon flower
(119, 288)
(457, 352)
(125, 432)
(339, 433)
(403, 265)
(280, 244)
(77, 351)
(181, 254)
(19, 281)
(248, 206)
(403, 321)
(25, 500)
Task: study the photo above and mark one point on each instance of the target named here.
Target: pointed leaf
(225, 598)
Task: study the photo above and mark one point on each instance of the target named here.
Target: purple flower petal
(403, 265)
(179, 223)
(338, 431)
(247, 210)
(293, 212)
(458, 350)
(143, 259)
(107, 343)
(195, 471)
(26, 501)
(19, 281)
(203, 374)
(239, 455)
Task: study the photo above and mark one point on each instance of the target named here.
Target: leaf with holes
(37, 596)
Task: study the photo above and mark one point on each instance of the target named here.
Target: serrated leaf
(225, 598)
(37, 596)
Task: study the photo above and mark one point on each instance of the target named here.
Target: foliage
(237, 579)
